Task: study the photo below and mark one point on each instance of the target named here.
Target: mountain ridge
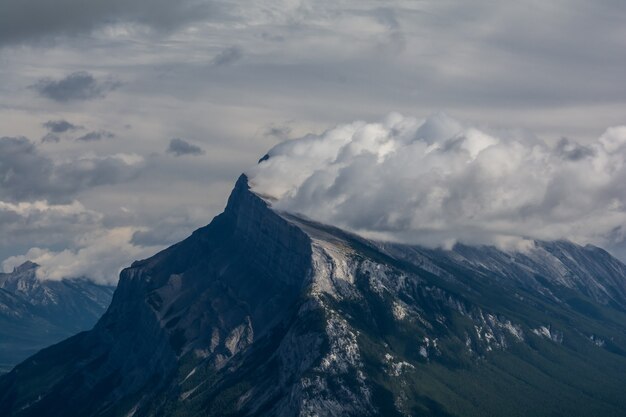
(265, 313)
(36, 313)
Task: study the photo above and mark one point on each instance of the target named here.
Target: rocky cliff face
(265, 313)
(35, 314)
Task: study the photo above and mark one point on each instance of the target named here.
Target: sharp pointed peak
(26, 266)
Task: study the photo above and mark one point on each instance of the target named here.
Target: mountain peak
(265, 313)
(26, 266)
(240, 195)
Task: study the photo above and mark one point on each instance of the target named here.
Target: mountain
(35, 313)
(263, 313)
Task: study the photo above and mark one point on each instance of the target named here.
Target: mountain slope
(35, 314)
(265, 313)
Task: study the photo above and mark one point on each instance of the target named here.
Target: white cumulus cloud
(437, 182)
(98, 256)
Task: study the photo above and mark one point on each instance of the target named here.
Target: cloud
(180, 147)
(59, 126)
(73, 241)
(50, 138)
(40, 214)
(23, 170)
(278, 132)
(96, 135)
(56, 128)
(45, 225)
(396, 37)
(34, 20)
(438, 182)
(572, 150)
(23, 223)
(165, 233)
(555, 69)
(77, 86)
(99, 256)
(27, 174)
(227, 56)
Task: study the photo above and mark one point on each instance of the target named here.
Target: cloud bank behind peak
(438, 182)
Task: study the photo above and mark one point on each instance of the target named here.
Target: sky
(124, 124)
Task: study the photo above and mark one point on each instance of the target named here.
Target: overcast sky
(124, 123)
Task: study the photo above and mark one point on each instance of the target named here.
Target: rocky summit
(263, 313)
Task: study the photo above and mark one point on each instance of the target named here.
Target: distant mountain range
(263, 313)
(35, 313)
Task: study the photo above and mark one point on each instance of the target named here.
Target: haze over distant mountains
(35, 314)
(266, 313)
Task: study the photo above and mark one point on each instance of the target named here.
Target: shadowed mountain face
(266, 314)
(35, 314)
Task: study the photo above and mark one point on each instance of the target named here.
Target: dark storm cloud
(27, 174)
(96, 136)
(59, 126)
(77, 86)
(34, 20)
(179, 147)
(228, 56)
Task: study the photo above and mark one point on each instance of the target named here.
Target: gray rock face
(264, 313)
(35, 314)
